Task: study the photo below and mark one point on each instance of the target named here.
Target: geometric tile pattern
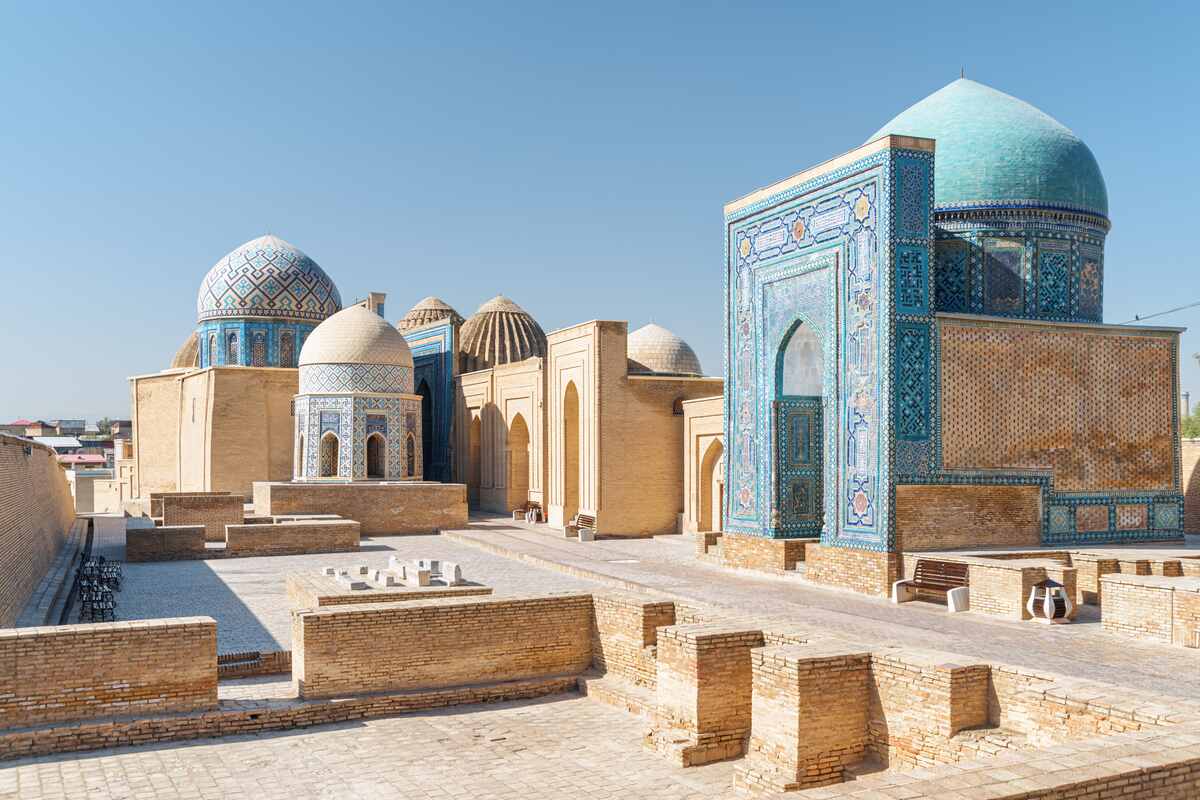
(1093, 407)
(1089, 518)
(1054, 280)
(951, 276)
(433, 351)
(331, 378)
(273, 343)
(267, 277)
(1132, 518)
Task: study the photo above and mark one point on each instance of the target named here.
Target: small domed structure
(356, 350)
(654, 350)
(428, 311)
(188, 354)
(500, 332)
(993, 149)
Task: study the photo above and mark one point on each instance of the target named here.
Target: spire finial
(962, 72)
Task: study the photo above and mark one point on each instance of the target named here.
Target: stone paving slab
(1081, 650)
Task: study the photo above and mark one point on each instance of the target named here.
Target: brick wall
(213, 511)
(703, 692)
(156, 498)
(306, 590)
(382, 509)
(378, 647)
(292, 538)
(1105, 411)
(75, 672)
(166, 543)
(864, 571)
(36, 511)
(761, 553)
(956, 516)
(1152, 607)
(625, 635)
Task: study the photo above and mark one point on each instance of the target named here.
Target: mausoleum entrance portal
(798, 435)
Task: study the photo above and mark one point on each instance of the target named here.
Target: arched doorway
(410, 456)
(427, 429)
(710, 516)
(376, 456)
(329, 455)
(518, 462)
(474, 468)
(798, 432)
(570, 461)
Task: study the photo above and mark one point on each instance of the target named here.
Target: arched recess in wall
(258, 349)
(410, 456)
(231, 353)
(212, 350)
(287, 349)
(474, 468)
(426, 426)
(376, 456)
(329, 455)
(570, 459)
(800, 368)
(518, 462)
(299, 470)
(706, 486)
(798, 433)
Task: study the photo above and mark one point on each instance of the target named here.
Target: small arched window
(410, 456)
(287, 349)
(258, 349)
(212, 350)
(329, 455)
(231, 350)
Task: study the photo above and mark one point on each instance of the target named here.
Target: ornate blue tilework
(912, 381)
(912, 289)
(281, 341)
(433, 350)
(1054, 279)
(331, 378)
(267, 277)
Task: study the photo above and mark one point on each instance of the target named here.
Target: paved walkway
(667, 564)
(536, 750)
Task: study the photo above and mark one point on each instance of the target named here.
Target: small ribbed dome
(188, 354)
(500, 332)
(356, 335)
(267, 277)
(996, 150)
(652, 349)
(427, 312)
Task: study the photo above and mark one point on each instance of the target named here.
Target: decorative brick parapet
(213, 511)
(864, 571)
(385, 647)
(292, 538)
(76, 672)
(165, 543)
(625, 635)
(704, 681)
(1153, 607)
(810, 708)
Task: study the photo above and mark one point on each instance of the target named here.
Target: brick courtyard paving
(558, 748)
(667, 564)
(248, 597)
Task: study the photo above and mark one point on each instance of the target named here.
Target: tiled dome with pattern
(355, 350)
(427, 312)
(267, 277)
(652, 349)
(500, 332)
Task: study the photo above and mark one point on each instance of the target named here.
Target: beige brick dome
(188, 354)
(427, 312)
(652, 349)
(500, 332)
(356, 335)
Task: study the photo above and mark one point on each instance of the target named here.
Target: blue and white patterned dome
(267, 277)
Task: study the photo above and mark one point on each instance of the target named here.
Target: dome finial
(962, 72)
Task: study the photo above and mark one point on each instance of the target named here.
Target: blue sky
(574, 157)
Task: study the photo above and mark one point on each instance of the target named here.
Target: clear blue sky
(572, 156)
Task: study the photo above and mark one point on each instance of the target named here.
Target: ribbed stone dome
(500, 332)
(267, 277)
(188, 354)
(427, 312)
(996, 150)
(356, 335)
(652, 349)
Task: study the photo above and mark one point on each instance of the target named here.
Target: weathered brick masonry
(864, 571)
(382, 509)
(36, 511)
(1153, 607)
(758, 552)
(292, 538)
(165, 543)
(954, 516)
(625, 635)
(313, 590)
(380, 647)
(156, 498)
(213, 511)
(75, 672)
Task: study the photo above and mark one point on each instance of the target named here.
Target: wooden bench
(584, 527)
(522, 512)
(934, 577)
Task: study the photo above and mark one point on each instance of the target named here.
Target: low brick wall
(625, 635)
(381, 647)
(168, 543)
(156, 498)
(213, 511)
(315, 590)
(1153, 608)
(864, 571)
(292, 538)
(383, 509)
(77, 672)
(949, 516)
(761, 553)
(703, 692)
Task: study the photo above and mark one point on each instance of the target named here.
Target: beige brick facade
(77, 672)
(864, 571)
(292, 538)
(625, 635)
(944, 517)
(703, 457)
(36, 511)
(1152, 607)
(165, 543)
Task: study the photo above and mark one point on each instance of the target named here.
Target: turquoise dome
(994, 150)
(267, 277)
